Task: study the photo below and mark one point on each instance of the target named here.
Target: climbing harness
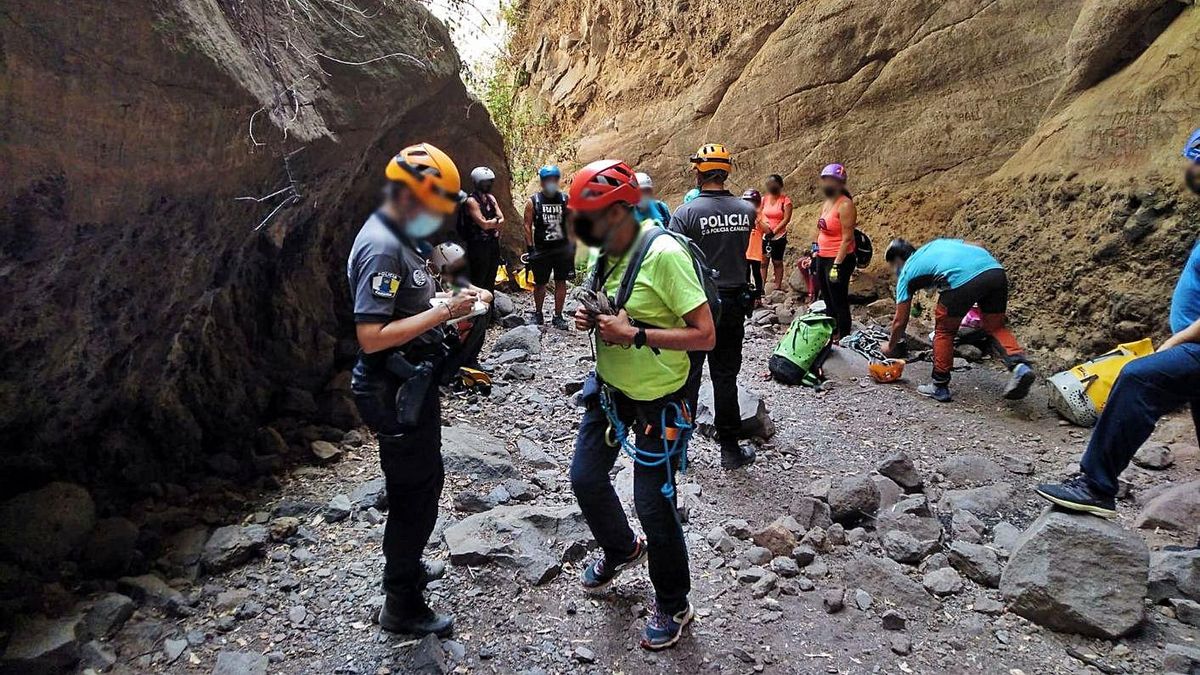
(675, 437)
(866, 342)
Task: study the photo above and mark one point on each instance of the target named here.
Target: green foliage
(527, 132)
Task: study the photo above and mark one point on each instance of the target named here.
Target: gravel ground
(312, 596)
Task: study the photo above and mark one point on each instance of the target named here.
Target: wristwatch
(639, 339)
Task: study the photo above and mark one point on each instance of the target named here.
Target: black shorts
(556, 262)
(777, 246)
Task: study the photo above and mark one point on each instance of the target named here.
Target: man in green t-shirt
(642, 367)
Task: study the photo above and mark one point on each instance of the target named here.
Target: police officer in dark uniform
(720, 224)
(399, 315)
(550, 251)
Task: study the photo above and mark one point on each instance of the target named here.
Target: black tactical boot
(409, 614)
(735, 456)
(431, 571)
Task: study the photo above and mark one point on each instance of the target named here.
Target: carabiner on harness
(680, 422)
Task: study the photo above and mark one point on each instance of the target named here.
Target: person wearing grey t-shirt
(398, 316)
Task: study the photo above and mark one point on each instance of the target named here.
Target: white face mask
(550, 188)
(422, 225)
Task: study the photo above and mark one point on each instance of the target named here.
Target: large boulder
(886, 580)
(111, 547)
(1079, 574)
(1174, 574)
(532, 540)
(240, 663)
(969, 470)
(527, 339)
(470, 451)
(43, 527)
(233, 545)
(900, 469)
(756, 421)
(191, 335)
(810, 512)
(42, 645)
(908, 538)
(986, 500)
(1176, 508)
(976, 561)
(776, 538)
(853, 499)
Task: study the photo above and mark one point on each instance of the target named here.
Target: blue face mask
(422, 225)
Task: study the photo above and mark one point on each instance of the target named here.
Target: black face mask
(1192, 178)
(585, 230)
(830, 191)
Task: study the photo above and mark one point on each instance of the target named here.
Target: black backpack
(863, 250)
(705, 274)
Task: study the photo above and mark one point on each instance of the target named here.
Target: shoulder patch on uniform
(420, 278)
(385, 284)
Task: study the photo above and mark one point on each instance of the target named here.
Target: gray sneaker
(935, 391)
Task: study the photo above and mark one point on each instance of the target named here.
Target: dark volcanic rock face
(147, 329)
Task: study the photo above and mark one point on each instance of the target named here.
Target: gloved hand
(815, 249)
(833, 274)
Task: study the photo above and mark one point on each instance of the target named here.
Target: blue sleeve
(903, 293)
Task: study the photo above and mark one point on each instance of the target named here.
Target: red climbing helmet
(603, 183)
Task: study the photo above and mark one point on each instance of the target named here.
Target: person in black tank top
(480, 230)
(550, 252)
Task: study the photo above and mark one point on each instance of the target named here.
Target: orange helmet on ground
(712, 157)
(888, 370)
(430, 174)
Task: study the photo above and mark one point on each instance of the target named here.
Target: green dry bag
(798, 358)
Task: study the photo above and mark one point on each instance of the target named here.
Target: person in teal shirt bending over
(964, 275)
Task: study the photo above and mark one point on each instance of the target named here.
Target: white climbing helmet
(644, 181)
(481, 173)
(447, 257)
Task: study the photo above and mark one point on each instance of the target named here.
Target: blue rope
(649, 457)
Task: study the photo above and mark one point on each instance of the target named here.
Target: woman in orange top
(754, 252)
(835, 259)
(777, 211)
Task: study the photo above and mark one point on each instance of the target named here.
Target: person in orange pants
(965, 275)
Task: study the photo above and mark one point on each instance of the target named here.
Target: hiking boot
(537, 318)
(559, 322)
(431, 571)
(412, 616)
(598, 575)
(1019, 382)
(735, 456)
(936, 391)
(664, 630)
(1075, 494)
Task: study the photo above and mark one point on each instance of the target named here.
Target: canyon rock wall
(1050, 131)
(147, 331)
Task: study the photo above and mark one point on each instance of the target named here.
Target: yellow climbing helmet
(430, 174)
(712, 157)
